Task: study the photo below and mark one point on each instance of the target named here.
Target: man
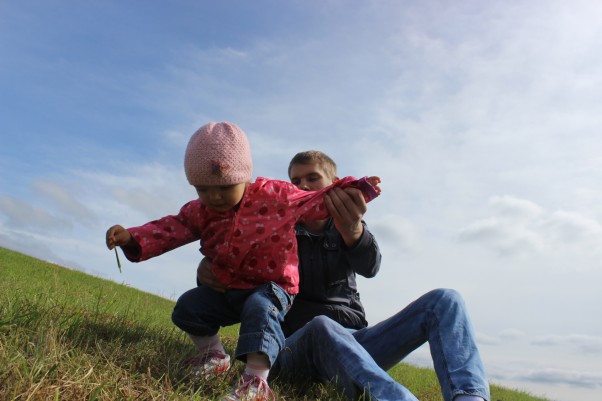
(327, 337)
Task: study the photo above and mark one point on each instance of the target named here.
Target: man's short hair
(315, 156)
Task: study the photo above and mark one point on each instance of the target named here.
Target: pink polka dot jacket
(251, 244)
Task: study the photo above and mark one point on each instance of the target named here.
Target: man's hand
(118, 236)
(347, 207)
(205, 276)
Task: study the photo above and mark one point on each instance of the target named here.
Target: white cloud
(573, 228)
(138, 191)
(512, 334)
(64, 201)
(560, 376)
(33, 245)
(550, 340)
(504, 337)
(520, 226)
(395, 231)
(515, 208)
(584, 343)
(177, 138)
(485, 339)
(588, 344)
(504, 237)
(21, 214)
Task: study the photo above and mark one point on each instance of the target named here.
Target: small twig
(118, 261)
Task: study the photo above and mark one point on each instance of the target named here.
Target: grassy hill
(66, 335)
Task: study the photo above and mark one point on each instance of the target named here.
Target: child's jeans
(260, 311)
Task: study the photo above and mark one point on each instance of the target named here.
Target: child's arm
(311, 206)
(158, 236)
(119, 236)
(368, 186)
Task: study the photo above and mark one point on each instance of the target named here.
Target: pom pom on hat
(218, 154)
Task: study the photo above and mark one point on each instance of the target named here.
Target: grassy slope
(65, 335)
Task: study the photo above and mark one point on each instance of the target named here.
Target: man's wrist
(353, 237)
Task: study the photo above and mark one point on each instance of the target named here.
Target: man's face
(309, 177)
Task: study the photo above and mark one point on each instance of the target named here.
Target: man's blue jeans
(201, 311)
(356, 361)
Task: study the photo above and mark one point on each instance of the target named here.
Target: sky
(482, 119)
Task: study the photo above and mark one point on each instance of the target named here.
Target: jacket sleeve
(310, 204)
(365, 257)
(165, 234)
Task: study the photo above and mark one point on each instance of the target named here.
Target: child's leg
(200, 312)
(258, 365)
(208, 343)
(261, 315)
(260, 340)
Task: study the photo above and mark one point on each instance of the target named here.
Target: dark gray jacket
(327, 270)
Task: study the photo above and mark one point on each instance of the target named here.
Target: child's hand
(118, 236)
(374, 181)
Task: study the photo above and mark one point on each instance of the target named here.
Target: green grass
(66, 335)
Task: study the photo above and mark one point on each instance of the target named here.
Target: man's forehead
(302, 170)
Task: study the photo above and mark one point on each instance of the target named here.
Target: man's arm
(205, 276)
(347, 208)
(364, 258)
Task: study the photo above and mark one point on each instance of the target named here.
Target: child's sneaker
(250, 388)
(208, 366)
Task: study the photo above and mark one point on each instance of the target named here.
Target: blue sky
(482, 119)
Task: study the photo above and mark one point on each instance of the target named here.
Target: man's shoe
(250, 388)
(208, 366)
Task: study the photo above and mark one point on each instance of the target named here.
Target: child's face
(221, 197)
(310, 177)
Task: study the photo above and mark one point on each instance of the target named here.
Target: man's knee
(324, 326)
(450, 295)
(449, 300)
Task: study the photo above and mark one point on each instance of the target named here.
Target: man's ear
(335, 179)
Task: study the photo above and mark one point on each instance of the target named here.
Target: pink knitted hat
(218, 154)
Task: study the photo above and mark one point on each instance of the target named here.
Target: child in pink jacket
(247, 230)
